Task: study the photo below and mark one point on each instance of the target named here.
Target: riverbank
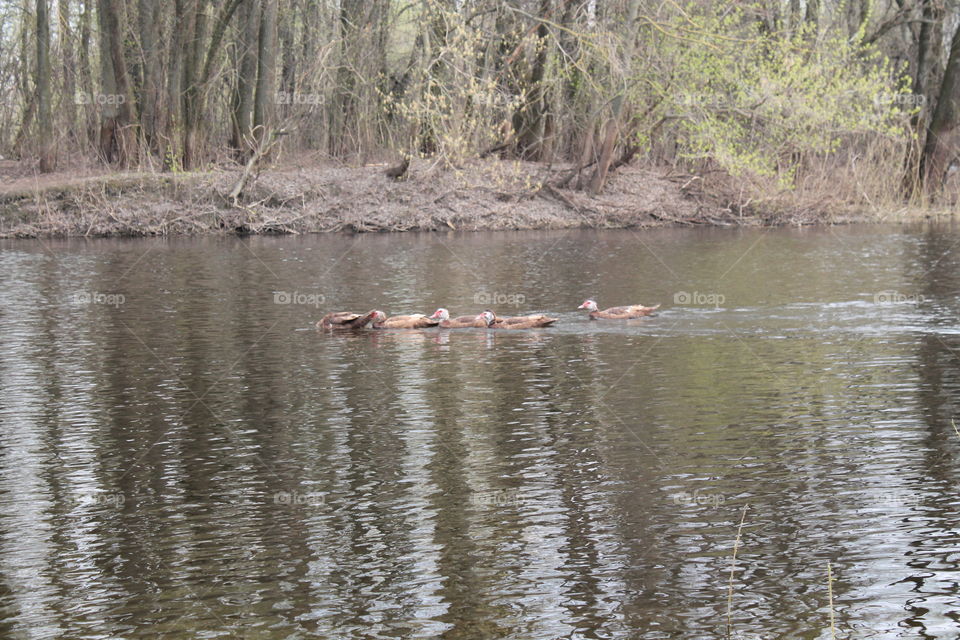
(483, 195)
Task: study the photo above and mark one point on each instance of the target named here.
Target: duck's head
(589, 305)
(488, 317)
(378, 316)
(441, 314)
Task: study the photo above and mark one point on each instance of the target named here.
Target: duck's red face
(441, 314)
(488, 317)
(589, 305)
(379, 316)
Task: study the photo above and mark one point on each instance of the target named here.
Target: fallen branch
(563, 182)
(267, 143)
(562, 198)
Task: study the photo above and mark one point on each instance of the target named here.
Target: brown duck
(617, 313)
(413, 321)
(346, 320)
(517, 322)
(462, 322)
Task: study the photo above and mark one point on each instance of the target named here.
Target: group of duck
(375, 319)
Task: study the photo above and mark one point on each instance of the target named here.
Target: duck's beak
(436, 314)
(583, 306)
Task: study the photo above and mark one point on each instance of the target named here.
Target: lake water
(183, 455)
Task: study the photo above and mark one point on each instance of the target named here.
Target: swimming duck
(346, 320)
(617, 313)
(413, 321)
(462, 322)
(516, 322)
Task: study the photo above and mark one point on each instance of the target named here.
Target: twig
(266, 145)
(833, 626)
(733, 566)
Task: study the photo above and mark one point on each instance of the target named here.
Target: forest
(851, 101)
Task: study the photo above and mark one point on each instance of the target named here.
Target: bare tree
(44, 117)
(941, 143)
(265, 101)
(149, 14)
(247, 47)
(68, 59)
(585, 82)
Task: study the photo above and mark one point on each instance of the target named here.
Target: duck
(413, 321)
(516, 322)
(462, 322)
(617, 313)
(342, 320)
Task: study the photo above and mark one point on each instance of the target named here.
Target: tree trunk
(26, 122)
(618, 115)
(290, 70)
(531, 129)
(925, 80)
(265, 102)
(173, 128)
(44, 118)
(247, 44)
(938, 149)
(25, 71)
(813, 13)
(197, 68)
(149, 19)
(123, 132)
(607, 145)
(68, 58)
(344, 108)
(105, 100)
(311, 35)
(88, 117)
(192, 70)
(928, 48)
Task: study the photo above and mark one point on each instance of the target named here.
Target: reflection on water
(182, 454)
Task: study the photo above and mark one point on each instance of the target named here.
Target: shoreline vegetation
(480, 196)
(273, 116)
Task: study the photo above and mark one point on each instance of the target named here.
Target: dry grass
(481, 195)
(862, 183)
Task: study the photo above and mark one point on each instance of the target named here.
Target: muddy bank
(484, 195)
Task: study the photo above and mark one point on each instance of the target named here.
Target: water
(182, 455)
